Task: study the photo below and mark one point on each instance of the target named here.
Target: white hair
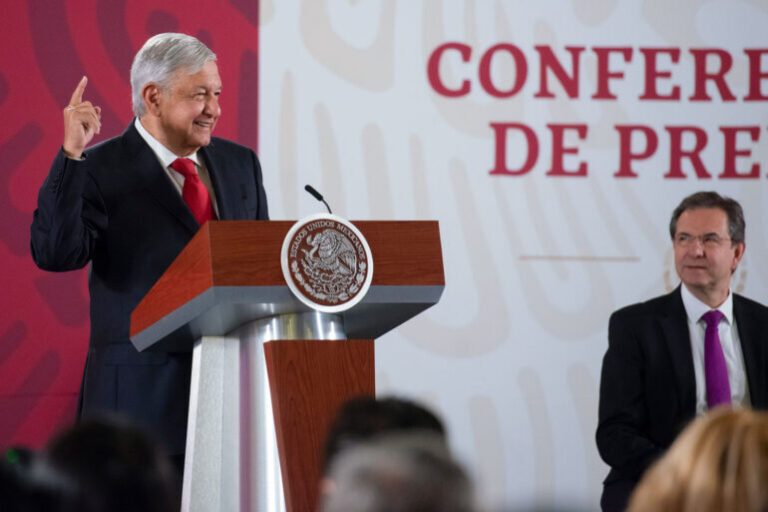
(411, 472)
(160, 57)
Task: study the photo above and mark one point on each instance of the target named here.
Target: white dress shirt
(166, 157)
(729, 340)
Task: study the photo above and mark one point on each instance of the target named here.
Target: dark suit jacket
(119, 211)
(648, 388)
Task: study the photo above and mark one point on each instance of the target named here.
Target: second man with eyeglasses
(675, 357)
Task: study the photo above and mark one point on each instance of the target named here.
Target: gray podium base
(232, 463)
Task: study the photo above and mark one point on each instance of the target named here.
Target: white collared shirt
(166, 157)
(730, 342)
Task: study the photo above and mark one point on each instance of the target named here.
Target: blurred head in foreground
(364, 418)
(719, 463)
(407, 472)
(111, 466)
(25, 484)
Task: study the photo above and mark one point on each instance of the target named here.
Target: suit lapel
(674, 325)
(749, 327)
(221, 187)
(148, 170)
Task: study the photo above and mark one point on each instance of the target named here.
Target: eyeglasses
(708, 241)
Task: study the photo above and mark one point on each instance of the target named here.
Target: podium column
(293, 371)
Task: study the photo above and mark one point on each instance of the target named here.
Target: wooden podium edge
(247, 253)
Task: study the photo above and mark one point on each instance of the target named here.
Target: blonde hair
(719, 463)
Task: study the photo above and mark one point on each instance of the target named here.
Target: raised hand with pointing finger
(82, 120)
(123, 212)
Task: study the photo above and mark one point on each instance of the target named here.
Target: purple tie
(715, 370)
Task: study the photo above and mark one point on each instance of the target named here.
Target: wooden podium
(269, 373)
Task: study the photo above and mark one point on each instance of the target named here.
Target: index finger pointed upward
(77, 96)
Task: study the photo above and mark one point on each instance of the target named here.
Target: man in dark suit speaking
(677, 356)
(129, 205)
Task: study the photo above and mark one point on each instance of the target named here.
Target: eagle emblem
(328, 262)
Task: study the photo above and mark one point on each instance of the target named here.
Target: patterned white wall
(535, 263)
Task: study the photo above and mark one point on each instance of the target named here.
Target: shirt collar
(694, 308)
(165, 155)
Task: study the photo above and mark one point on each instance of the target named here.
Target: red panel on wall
(47, 48)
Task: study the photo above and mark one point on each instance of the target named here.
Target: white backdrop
(534, 263)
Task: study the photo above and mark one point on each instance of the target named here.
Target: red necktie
(194, 192)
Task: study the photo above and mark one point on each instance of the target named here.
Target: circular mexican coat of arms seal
(327, 263)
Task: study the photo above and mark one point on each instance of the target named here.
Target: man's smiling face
(189, 108)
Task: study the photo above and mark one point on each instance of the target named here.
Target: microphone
(317, 196)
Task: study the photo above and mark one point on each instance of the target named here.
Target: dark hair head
(365, 418)
(26, 485)
(113, 466)
(731, 207)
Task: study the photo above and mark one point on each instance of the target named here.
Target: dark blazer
(119, 210)
(648, 387)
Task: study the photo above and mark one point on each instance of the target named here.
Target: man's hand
(82, 121)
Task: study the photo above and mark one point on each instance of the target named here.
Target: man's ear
(738, 253)
(151, 94)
